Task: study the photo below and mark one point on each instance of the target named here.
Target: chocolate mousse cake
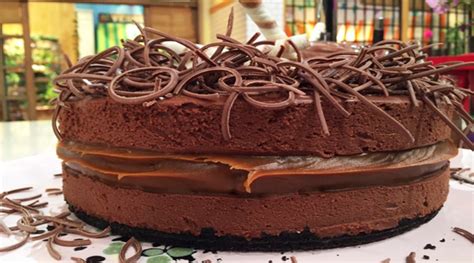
(226, 147)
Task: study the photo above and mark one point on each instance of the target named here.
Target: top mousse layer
(240, 78)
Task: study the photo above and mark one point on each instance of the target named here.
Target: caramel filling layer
(224, 174)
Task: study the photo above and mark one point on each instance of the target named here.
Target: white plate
(458, 211)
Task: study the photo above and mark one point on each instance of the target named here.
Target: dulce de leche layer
(234, 174)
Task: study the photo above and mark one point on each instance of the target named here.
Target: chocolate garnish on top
(156, 66)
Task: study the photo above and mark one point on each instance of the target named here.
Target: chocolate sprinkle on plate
(122, 238)
(95, 259)
(429, 246)
(79, 248)
(442, 240)
(426, 257)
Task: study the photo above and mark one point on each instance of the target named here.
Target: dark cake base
(207, 240)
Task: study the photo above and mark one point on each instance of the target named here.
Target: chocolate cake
(224, 146)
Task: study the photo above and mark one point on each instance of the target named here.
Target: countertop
(25, 138)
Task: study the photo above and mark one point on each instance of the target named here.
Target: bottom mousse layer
(285, 241)
(273, 222)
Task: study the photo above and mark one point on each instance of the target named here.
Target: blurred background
(34, 35)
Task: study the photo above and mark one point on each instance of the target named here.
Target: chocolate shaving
(70, 243)
(52, 190)
(31, 217)
(51, 250)
(464, 233)
(65, 222)
(132, 242)
(78, 260)
(24, 225)
(14, 191)
(48, 234)
(4, 228)
(156, 66)
(27, 198)
(82, 232)
(55, 193)
(293, 259)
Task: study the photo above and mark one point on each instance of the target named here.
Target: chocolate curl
(291, 45)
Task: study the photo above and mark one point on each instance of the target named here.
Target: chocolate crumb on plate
(429, 246)
(442, 240)
(79, 248)
(122, 238)
(207, 261)
(293, 259)
(464, 233)
(387, 260)
(426, 257)
(284, 258)
(95, 259)
(411, 258)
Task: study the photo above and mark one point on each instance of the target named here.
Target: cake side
(193, 127)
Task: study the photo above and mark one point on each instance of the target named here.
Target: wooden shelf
(11, 36)
(17, 12)
(16, 68)
(42, 80)
(15, 98)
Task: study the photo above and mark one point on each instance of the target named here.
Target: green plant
(455, 41)
(46, 64)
